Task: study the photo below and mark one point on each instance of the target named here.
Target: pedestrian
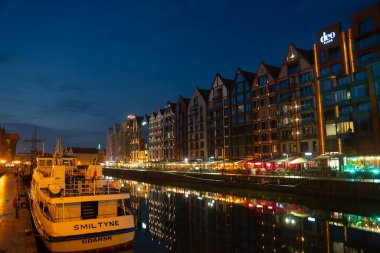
(15, 205)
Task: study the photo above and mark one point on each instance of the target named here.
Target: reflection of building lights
(312, 219)
(143, 225)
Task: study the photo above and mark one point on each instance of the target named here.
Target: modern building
(181, 129)
(218, 118)
(197, 131)
(264, 112)
(348, 71)
(241, 116)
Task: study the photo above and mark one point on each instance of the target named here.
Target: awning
(299, 160)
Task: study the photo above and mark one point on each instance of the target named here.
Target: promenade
(16, 234)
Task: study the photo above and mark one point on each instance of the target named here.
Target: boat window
(89, 210)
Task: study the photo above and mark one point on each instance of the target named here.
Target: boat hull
(90, 243)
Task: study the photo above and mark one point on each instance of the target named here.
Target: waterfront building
(264, 112)
(218, 118)
(297, 105)
(348, 71)
(162, 141)
(181, 128)
(197, 131)
(241, 116)
(138, 136)
(155, 136)
(8, 143)
(168, 132)
(85, 156)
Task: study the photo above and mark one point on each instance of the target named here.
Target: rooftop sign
(327, 38)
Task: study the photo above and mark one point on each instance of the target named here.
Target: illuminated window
(345, 127)
(330, 129)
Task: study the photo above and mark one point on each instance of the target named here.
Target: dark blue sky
(74, 68)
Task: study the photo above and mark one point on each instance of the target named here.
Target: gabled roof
(227, 82)
(204, 93)
(249, 76)
(307, 54)
(272, 70)
(186, 101)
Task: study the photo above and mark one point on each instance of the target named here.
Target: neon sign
(327, 38)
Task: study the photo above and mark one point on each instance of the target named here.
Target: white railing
(86, 187)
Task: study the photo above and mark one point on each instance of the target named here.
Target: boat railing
(85, 187)
(51, 215)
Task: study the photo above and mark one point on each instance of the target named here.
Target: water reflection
(182, 220)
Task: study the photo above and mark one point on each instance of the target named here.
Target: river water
(199, 219)
(175, 219)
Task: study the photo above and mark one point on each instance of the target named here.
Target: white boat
(77, 209)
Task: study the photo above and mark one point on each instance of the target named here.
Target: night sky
(72, 69)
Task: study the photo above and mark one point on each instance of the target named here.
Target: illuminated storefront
(361, 164)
